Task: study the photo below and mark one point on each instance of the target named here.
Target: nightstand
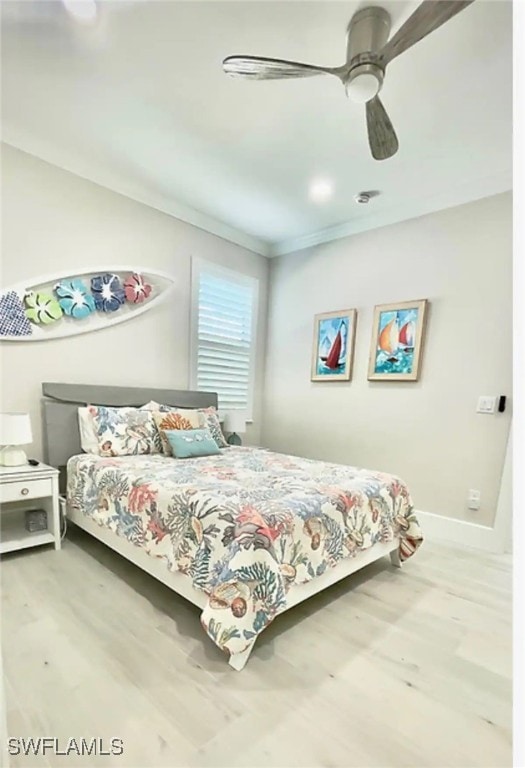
(21, 489)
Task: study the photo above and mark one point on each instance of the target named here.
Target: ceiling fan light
(364, 82)
(362, 88)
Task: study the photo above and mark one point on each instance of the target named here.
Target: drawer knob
(24, 491)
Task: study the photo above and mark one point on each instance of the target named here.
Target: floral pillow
(171, 420)
(88, 431)
(124, 431)
(209, 419)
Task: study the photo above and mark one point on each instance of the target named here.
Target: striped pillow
(209, 419)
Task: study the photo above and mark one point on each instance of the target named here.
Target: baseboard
(448, 529)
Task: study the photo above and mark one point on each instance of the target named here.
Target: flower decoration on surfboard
(108, 292)
(67, 304)
(13, 319)
(136, 288)
(42, 307)
(74, 298)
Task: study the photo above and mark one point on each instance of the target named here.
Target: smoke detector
(364, 197)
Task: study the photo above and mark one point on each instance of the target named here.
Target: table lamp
(15, 430)
(234, 422)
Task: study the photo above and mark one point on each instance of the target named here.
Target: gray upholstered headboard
(60, 418)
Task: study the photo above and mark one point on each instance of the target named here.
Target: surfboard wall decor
(61, 305)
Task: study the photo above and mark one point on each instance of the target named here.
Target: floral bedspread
(244, 525)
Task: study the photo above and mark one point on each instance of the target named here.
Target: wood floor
(389, 668)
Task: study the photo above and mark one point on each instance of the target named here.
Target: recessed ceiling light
(82, 10)
(321, 190)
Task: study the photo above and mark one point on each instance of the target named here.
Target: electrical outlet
(474, 499)
(486, 404)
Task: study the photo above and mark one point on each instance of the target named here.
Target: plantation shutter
(225, 337)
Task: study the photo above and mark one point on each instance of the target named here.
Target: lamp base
(11, 456)
(234, 439)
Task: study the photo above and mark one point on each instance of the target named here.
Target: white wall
(428, 431)
(53, 221)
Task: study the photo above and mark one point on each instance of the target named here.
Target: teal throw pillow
(189, 443)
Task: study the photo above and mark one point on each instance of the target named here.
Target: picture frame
(397, 341)
(333, 345)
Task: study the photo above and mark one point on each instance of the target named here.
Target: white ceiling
(139, 103)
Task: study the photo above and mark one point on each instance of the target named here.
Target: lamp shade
(234, 421)
(15, 429)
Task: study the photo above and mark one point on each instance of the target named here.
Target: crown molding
(118, 184)
(459, 195)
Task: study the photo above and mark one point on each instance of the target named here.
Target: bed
(245, 535)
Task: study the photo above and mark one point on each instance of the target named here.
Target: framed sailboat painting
(333, 347)
(397, 339)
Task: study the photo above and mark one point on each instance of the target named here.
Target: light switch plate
(474, 499)
(486, 404)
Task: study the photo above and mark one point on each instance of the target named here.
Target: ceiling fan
(368, 53)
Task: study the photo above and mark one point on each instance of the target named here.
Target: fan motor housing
(368, 32)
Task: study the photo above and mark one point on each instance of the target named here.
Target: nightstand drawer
(20, 490)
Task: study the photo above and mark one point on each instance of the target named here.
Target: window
(224, 315)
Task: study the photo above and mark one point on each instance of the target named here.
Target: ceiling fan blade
(430, 15)
(381, 135)
(260, 68)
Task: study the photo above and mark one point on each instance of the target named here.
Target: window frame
(198, 266)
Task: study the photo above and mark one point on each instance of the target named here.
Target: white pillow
(151, 406)
(88, 433)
